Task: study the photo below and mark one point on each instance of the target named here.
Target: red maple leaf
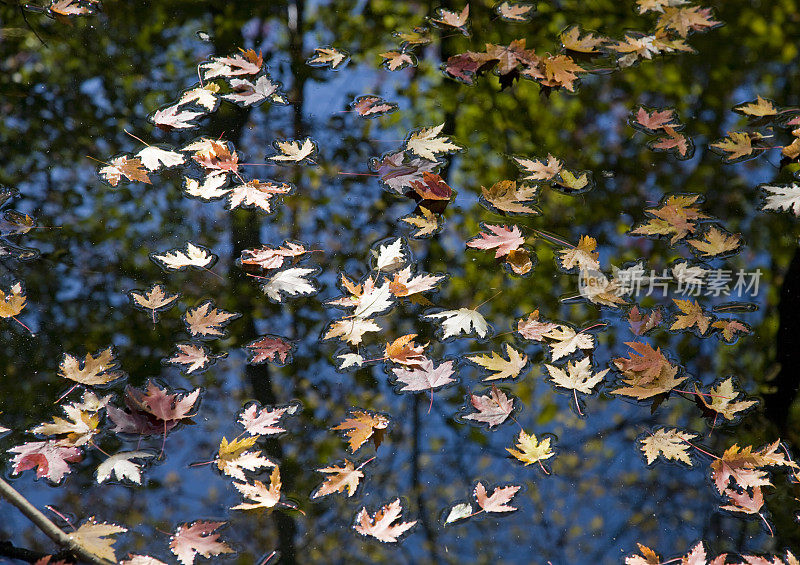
(49, 458)
(269, 348)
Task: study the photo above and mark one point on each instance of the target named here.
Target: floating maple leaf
(121, 466)
(199, 538)
(95, 537)
(716, 242)
(647, 372)
(155, 299)
(584, 256)
(174, 117)
(367, 298)
(262, 421)
(256, 194)
(206, 321)
(455, 20)
(269, 348)
(194, 357)
(49, 458)
(679, 144)
(426, 223)
(363, 425)
(390, 257)
(290, 282)
(405, 351)
(676, 216)
(530, 450)
(426, 142)
(178, 260)
(502, 238)
(97, 369)
(566, 340)
(79, 426)
(327, 57)
(339, 479)
(268, 257)
(351, 330)
(425, 377)
(13, 301)
(204, 95)
(210, 189)
(492, 409)
(263, 496)
(247, 63)
(758, 108)
(671, 443)
(247, 93)
(537, 170)
(234, 458)
(153, 158)
(383, 526)
(153, 411)
(642, 323)
(572, 40)
(459, 321)
(370, 106)
(722, 400)
(398, 171)
(404, 284)
(507, 196)
(533, 328)
(652, 121)
(124, 166)
(782, 197)
(293, 151)
(214, 156)
(737, 146)
(692, 315)
(684, 20)
(730, 328)
(502, 368)
(577, 377)
(397, 60)
(519, 12)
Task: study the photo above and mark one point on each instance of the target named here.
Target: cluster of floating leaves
(213, 171)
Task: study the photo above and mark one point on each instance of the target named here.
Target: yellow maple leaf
(13, 301)
(530, 449)
(503, 368)
(692, 316)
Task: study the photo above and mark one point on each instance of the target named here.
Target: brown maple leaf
(692, 315)
(571, 39)
(646, 373)
(206, 321)
(506, 196)
(653, 121)
(432, 187)
(339, 479)
(677, 216)
(369, 106)
(641, 322)
(678, 143)
(269, 348)
(722, 400)
(405, 351)
(161, 404)
(455, 20)
(730, 328)
(396, 60)
(155, 299)
(533, 328)
(738, 145)
(124, 166)
(716, 242)
(363, 425)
